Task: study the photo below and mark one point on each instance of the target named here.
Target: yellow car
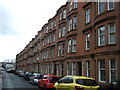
(76, 83)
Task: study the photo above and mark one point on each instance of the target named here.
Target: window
(52, 54)
(101, 35)
(57, 69)
(75, 22)
(112, 71)
(48, 69)
(73, 68)
(75, 4)
(59, 50)
(54, 23)
(63, 31)
(64, 14)
(112, 36)
(51, 26)
(68, 68)
(73, 45)
(62, 50)
(70, 25)
(70, 80)
(88, 68)
(70, 6)
(60, 32)
(110, 4)
(102, 70)
(87, 41)
(61, 70)
(69, 46)
(54, 37)
(100, 6)
(88, 15)
(61, 16)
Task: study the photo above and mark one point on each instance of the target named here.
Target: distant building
(83, 38)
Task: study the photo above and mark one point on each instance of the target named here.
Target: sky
(20, 20)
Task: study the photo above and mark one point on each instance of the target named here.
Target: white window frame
(88, 68)
(60, 32)
(73, 68)
(64, 13)
(112, 32)
(99, 7)
(88, 15)
(115, 69)
(68, 68)
(75, 4)
(70, 25)
(62, 49)
(74, 45)
(61, 15)
(101, 69)
(59, 50)
(71, 6)
(75, 22)
(101, 35)
(87, 41)
(63, 31)
(112, 1)
(69, 46)
(61, 70)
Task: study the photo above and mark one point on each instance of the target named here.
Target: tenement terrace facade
(83, 38)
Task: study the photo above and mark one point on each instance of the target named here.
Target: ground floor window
(61, 70)
(88, 68)
(102, 70)
(68, 68)
(112, 71)
(73, 68)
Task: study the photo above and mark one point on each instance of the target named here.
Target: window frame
(115, 69)
(101, 69)
(108, 1)
(87, 15)
(87, 41)
(101, 35)
(113, 32)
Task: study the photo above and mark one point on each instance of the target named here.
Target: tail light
(47, 81)
(36, 77)
(79, 88)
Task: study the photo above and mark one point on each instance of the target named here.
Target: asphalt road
(14, 82)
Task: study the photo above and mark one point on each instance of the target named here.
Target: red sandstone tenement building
(83, 38)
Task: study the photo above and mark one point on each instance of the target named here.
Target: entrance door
(80, 68)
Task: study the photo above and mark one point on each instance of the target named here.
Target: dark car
(35, 78)
(21, 73)
(10, 70)
(27, 75)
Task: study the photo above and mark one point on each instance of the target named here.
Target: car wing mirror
(59, 82)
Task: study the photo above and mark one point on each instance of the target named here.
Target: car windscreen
(86, 82)
(53, 79)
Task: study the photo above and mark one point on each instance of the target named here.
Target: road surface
(14, 82)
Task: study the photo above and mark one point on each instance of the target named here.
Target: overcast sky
(20, 20)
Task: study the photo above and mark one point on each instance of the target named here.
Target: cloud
(6, 22)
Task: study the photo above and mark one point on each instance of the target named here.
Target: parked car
(21, 73)
(48, 81)
(35, 77)
(16, 72)
(27, 75)
(76, 83)
(10, 70)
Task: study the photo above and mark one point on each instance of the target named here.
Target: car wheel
(45, 87)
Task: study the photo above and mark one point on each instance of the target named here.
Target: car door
(60, 83)
(68, 84)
